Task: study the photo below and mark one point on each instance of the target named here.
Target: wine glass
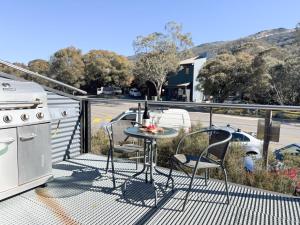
(158, 117)
(152, 120)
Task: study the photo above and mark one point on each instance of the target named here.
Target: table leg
(150, 161)
(153, 153)
(138, 173)
(155, 192)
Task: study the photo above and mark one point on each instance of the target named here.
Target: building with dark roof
(183, 86)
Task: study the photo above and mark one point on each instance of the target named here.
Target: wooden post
(267, 137)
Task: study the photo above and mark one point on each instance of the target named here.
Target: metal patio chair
(121, 143)
(211, 157)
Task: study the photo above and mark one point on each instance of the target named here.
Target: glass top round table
(150, 153)
(140, 133)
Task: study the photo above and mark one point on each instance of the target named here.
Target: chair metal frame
(110, 156)
(202, 155)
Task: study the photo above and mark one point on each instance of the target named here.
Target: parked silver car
(250, 144)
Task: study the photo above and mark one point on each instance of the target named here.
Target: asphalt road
(289, 131)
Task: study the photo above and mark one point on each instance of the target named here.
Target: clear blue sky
(34, 29)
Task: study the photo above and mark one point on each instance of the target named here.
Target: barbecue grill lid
(19, 94)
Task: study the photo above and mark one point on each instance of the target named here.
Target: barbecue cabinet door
(34, 152)
(8, 159)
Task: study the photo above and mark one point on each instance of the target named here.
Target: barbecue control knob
(6, 85)
(40, 115)
(24, 117)
(64, 113)
(7, 118)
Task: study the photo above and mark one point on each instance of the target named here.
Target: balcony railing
(241, 116)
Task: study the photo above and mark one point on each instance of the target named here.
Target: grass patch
(260, 178)
(238, 112)
(286, 115)
(100, 142)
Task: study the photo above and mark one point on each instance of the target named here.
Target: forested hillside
(261, 68)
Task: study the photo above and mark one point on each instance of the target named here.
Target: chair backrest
(218, 143)
(116, 131)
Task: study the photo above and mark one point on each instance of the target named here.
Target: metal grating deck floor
(82, 193)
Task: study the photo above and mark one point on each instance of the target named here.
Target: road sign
(274, 131)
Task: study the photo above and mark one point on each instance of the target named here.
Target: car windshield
(119, 117)
(238, 137)
(131, 117)
(108, 88)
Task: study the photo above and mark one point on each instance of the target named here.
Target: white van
(173, 118)
(100, 91)
(110, 90)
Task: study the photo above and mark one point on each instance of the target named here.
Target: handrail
(42, 77)
(37, 102)
(9, 104)
(206, 105)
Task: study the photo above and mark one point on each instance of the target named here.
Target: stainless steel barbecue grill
(25, 150)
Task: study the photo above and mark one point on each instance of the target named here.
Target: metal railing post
(139, 120)
(267, 137)
(86, 126)
(82, 125)
(210, 116)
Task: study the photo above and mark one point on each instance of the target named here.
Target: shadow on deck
(82, 193)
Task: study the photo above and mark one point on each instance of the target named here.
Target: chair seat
(128, 148)
(190, 161)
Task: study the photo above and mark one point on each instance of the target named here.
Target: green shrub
(291, 160)
(260, 178)
(233, 164)
(167, 147)
(100, 142)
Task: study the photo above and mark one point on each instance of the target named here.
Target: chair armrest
(108, 131)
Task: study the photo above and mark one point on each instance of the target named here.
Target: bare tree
(158, 54)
